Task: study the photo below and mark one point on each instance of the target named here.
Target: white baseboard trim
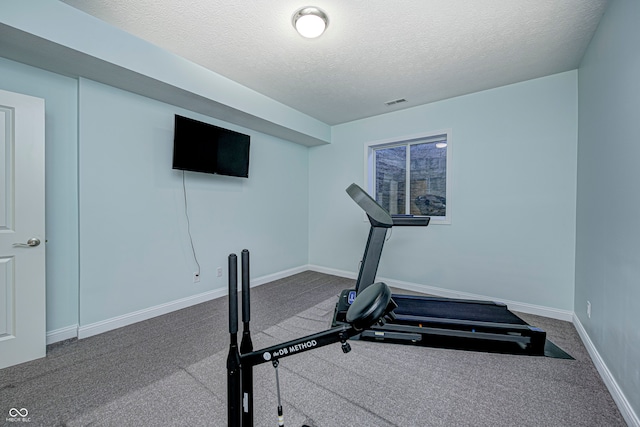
(618, 396)
(553, 313)
(333, 271)
(85, 331)
(62, 334)
(279, 275)
(91, 329)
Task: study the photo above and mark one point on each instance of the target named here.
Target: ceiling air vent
(395, 101)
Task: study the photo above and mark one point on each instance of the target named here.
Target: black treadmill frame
(424, 330)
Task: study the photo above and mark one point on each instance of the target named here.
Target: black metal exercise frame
(240, 362)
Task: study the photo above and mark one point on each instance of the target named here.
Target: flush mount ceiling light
(310, 22)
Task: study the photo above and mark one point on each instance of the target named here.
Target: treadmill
(431, 321)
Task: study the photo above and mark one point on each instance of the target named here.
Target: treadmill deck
(453, 323)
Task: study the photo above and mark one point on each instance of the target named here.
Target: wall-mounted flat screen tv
(202, 147)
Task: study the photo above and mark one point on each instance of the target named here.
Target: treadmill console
(345, 300)
(410, 220)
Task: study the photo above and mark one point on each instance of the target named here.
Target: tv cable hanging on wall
(186, 214)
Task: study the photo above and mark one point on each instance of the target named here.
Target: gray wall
(608, 207)
(513, 166)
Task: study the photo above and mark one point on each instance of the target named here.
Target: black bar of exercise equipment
(380, 221)
(233, 359)
(369, 264)
(299, 345)
(375, 307)
(246, 346)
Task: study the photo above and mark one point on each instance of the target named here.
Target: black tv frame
(203, 147)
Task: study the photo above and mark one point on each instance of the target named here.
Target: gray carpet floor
(171, 371)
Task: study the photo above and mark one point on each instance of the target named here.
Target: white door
(22, 253)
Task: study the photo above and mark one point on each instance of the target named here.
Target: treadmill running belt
(443, 308)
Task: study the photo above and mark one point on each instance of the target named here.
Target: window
(410, 176)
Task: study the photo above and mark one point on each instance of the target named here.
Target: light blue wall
(134, 247)
(513, 192)
(60, 95)
(608, 208)
(118, 239)
(510, 238)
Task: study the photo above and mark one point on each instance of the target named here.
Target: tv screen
(202, 147)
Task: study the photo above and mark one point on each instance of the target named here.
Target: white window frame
(369, 163)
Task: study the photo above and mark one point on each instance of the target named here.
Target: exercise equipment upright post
(233, 358)
(373, 305)
(246, 346)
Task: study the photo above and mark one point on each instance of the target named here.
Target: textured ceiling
(373, 51)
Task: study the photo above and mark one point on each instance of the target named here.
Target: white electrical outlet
(219, 271)
(196, 277)
(589, 309)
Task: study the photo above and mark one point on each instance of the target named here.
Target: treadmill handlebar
(378, 216)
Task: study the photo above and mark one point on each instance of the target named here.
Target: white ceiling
(373, 51)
